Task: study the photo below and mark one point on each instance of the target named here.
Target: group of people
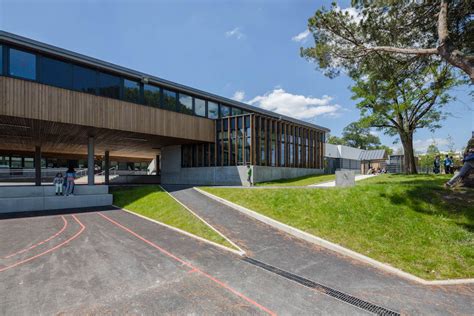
(448, 164)
(65, 185)
(376, 171)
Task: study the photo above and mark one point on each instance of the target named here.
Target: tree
(336, 140)
(401, 30)
(356, 135)
(450, 144)
(409, 99)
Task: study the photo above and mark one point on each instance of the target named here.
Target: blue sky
(245, 50)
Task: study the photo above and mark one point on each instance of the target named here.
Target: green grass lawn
(410, 222)
(153, 202)
(300, 181)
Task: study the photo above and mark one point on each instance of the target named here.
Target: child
(58, 183)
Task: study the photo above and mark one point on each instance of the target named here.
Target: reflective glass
(185, 103)
(236, 111)
(169, 100)
(55, 72)
(1, 59)
(199, 107)
(131, 91)
(84, 79)
(151, 95)
(212, 110)
(22, 64)
(225, 110)
(109, 85)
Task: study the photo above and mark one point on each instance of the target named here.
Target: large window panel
(212, 110)
(237, 111)
(199, 107)
(1, 60)
(131, 91)
(84, 79)
(55, 72)
(22, 64)
(109, 85)
(169, 100)
(151, 95)
(185, 103)
(225, 110)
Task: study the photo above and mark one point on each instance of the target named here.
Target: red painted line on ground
(41, 242)
(169, 254)
(49, 250)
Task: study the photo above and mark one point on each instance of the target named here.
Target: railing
(29, 173)
(112, 172)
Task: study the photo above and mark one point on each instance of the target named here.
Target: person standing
(249, 175)
(70, 178)
(58, 183)
(451, 166)
(446, 164)
(436, 165)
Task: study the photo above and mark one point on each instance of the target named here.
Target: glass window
(1, 60)
(152, 95)
(22, 64)
(84, 79)
(185, 104)
(55, 72)
(131, 91)
(236, 111)
(212, 110)
(225, 110)
(169, 100)
(28, 163)
(199, 107)
(109, 85)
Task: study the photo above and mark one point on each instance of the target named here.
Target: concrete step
(25, 204)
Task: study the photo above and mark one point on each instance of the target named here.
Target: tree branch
(406, 51)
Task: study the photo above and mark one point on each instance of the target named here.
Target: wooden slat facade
(26, 99)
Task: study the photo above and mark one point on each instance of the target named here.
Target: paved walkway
(333, 183)
(115, 263)
(271, 246)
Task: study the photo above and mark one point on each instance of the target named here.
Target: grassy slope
(301, 181)
(154, 203)
(411, 222)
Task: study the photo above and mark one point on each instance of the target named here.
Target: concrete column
(37, 165)
(107, 167)
(90, 161)
(157, 164)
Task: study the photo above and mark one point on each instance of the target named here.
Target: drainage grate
(367, 306)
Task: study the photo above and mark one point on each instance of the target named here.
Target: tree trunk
(409, 154)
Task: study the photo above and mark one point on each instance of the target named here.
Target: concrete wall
(172, 173)
(39, 198)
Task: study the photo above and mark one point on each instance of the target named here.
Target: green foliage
(373, 32)
(410, 222)
(358, 136)
(336, 140)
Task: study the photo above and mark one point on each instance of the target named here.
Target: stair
(41, 198)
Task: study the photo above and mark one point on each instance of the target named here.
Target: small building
(339, 157)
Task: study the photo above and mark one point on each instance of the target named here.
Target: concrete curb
(332, 246)
(239, 253)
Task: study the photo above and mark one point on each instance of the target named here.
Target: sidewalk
(333, 183)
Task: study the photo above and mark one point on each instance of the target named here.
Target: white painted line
(240, 250)
(240, 253)
(331, 246)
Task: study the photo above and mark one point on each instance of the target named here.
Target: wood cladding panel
(32, 100)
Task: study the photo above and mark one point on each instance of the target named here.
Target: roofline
(97, 63)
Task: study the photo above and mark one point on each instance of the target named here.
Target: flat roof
(100, 64)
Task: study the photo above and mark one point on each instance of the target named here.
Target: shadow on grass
(428, 196)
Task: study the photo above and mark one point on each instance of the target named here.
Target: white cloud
(297, 106)
(239, 96)
(354, 14)
(421, 145)
(236, 33)
(301, 37)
